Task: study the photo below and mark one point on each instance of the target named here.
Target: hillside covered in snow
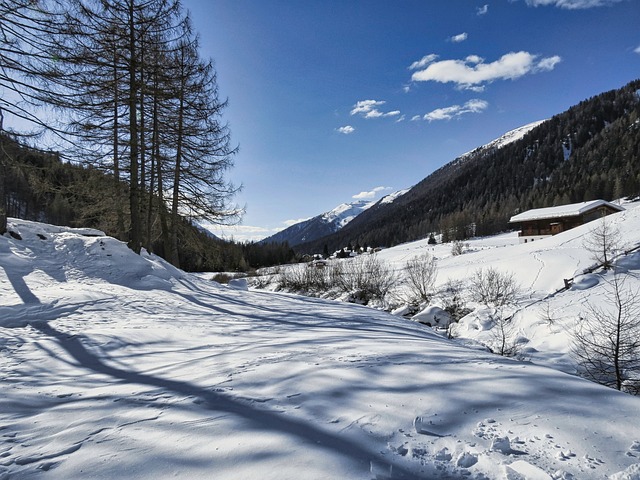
(115, 365)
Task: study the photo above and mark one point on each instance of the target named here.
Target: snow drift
(114, 365)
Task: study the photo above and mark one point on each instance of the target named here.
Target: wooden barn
(540, 223)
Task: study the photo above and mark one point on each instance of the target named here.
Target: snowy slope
(540, 269)
(114, 365)
(343, 214)
(509, 137)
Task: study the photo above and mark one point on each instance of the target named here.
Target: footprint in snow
(634, 449)
(431, 425)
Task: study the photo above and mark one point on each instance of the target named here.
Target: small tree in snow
(453, 300)
(603, 242)
(504, 335)
(458, 247)
(606, 341)
(496, 289)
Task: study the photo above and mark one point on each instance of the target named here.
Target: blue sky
(332, 100)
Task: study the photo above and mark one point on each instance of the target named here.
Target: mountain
(588, 152)
(330, 222)
(326, 223)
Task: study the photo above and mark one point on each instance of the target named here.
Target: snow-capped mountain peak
(328, 222)
(345, 212)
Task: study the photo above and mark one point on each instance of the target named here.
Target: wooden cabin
(540, 223)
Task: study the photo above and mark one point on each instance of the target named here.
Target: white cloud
(366, 106)
(447, 113)
(459, 38)
(547, 64)
(415, 118)
(423, 62)
(371, 194)
(637, 50)
(368, 109)
(475, 88)
(346, 130)
(472, 71)
(482, 10)
(572, 4)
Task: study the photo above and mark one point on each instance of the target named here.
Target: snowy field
(114, 365)
(540, 269)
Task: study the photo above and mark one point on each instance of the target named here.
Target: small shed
(540, 223)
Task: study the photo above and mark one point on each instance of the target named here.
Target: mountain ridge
(590, 151)
(326, 223)
(330, 222)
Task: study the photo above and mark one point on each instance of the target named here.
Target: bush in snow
(496, 289)
(504, 334)
(366, 278)
(493, 288)
(453, 300)
(303, 278)
(222, 278)
(420, 275)
(458, 248)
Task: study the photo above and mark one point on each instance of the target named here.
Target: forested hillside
(123, 92)
(590, 151)
(43, 188)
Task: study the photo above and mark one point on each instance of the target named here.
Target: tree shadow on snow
(261, 419)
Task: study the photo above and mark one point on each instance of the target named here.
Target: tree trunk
(3, 176)
(176, 185)
(174, 256)
(142, 132)
(155, 149)
(135, 242)
(618, 341)
(122, 235)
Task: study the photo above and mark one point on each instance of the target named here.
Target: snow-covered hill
(114, 365)
(540, 269)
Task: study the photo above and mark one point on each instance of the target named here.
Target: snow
(392, 197)
(344, 213)
(509, 137)
(114, 365)
(433, 316)
(570, 210)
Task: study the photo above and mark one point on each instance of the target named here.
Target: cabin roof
(571, 210)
